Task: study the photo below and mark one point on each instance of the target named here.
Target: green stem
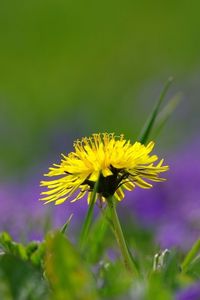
(129, 264)
(88, 219)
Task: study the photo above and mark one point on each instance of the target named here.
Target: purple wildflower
(190, 293)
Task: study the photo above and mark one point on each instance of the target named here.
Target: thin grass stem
(146, 130)
(88, 218)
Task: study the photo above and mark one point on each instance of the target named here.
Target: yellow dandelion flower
(118, 164)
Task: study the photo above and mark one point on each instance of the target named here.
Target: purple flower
(25, 217)
(190, 293)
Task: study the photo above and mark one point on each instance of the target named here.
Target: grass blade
(190, 256)
(144, 135)
(65, 226)
(165, 114)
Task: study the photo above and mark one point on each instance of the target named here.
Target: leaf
(193, 269)
(146, 130)
(11, 247)
(157, 289)
(36, 252)
(165, 113)
(66, 271)
(165, 277)
(97, 241)
(190, 256)
(19, 280)
(171, 269)
(115, 280)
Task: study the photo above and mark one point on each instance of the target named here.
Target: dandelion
(113, 161)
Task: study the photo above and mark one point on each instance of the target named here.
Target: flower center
(109, 184)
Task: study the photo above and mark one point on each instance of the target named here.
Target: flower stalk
(128, 261)
(88, 219)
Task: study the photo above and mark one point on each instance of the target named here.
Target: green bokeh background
(70, 68)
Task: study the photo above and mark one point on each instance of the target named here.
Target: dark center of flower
(108, 185)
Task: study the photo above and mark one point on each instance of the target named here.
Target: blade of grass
(88, 218)
(65, 226)
(190, 256)
(146, 130)
(166, 113)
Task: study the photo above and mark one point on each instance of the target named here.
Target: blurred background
(71, 68)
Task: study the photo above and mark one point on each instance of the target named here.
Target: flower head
(112, 161)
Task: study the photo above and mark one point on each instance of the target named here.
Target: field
(99, 104)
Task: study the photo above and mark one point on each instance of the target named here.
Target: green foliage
(163, 280)
(191, 263)
(113, 279)
(67, 273)
(33, 252)
(191, 255)
(193, 269)
(166, 113)
(99, 233)
(11, 247)
(157, 289)
(148, 126)
(55, 269)
(20, 280)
